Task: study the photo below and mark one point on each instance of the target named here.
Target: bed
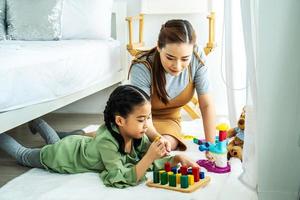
(38, 77)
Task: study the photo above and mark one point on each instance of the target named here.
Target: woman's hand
(156, 150)
(167, 144)
(209, 156)
(184, 160)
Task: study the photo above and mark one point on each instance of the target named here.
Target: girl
(170, 73)
(120, 152)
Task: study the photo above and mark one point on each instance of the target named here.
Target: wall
(278, 100)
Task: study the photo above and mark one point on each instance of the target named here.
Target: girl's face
(175, 57)
(136, 123)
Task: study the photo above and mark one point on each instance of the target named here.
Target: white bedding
(42, 185)
(38, 71)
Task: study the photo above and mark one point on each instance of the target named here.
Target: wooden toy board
(191, 188)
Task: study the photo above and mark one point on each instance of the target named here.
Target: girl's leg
(24, 156)
(65, 134)
(48, 133)
(62, 134)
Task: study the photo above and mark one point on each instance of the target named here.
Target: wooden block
(167, 166)
(172, 180)
(191, 179)
(178, 178)
(156, 177)
(184, 182)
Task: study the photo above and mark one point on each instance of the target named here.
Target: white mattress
(38, 71)
(89, 185)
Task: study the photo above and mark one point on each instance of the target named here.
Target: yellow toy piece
(189, 137)
(222, 127)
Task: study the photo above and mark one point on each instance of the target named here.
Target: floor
(9, 169)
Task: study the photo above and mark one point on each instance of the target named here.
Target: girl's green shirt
(77, 154)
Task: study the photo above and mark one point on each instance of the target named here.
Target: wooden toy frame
(191, 188)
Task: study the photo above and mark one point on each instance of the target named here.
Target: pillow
(86, 19)
(2, 19)
(33, 19)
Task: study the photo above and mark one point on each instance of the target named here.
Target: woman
(170, 73)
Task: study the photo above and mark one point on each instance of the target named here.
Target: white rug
(42, 185)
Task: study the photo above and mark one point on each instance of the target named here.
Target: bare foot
(90, 134)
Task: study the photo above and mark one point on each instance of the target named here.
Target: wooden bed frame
(14, 118)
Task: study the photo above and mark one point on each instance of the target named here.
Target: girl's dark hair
(173, 31)
(122, 102)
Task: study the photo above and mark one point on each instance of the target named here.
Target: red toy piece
(195, 171)
(167, 167)
(183, 170)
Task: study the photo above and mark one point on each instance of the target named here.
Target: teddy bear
(236, 137)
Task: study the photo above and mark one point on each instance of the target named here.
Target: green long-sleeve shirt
(76, 154)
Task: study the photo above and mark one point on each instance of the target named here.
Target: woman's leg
(47, 132)
(25, 156)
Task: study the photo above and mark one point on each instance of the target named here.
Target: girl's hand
(184, 160)
(156, 150)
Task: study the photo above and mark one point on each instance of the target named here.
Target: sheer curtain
(249, 19)
(272, 140)
(239, 62)
(234, 60)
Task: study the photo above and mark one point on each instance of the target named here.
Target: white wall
(278, 72)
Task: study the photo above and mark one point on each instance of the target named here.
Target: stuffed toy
(236, 137)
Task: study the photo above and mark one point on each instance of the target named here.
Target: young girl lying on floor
(120, 152)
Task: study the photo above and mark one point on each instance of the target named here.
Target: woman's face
(175, 57)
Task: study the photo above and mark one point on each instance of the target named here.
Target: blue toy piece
(218, 147)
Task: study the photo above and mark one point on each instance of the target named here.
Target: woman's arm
(152, 134)
(184, 160)
(207, 109)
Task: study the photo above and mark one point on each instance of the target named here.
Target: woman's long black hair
(122, 102)
(173, 31)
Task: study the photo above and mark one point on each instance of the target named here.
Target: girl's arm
(156, 150)
(207, 109)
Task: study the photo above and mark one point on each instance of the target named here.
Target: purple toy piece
(211, 167)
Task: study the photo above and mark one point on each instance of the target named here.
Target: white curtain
(240, 59)
(234, 60)
(249, 13)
